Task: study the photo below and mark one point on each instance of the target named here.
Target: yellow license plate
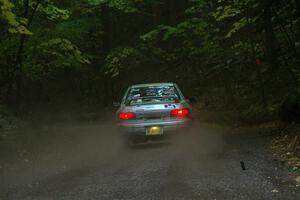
(154, 130)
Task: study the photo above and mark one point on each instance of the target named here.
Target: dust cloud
(41, 151)
(203, 143)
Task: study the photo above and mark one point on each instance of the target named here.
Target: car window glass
(152, 94)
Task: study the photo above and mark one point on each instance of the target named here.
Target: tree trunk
(298, 14)
(19, 58)
(171, 12)
(257, 67)
(157, 13)
(18, 69)
(298, 7)
(270, 38)
(106, 17)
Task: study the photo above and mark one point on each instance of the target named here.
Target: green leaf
(16, 25)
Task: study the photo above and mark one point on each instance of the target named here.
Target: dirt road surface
(90, 161)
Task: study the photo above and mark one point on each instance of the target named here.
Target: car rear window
(152, 94)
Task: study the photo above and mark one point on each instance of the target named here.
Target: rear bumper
(169, 127)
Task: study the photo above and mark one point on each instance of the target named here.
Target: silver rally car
(151, 111)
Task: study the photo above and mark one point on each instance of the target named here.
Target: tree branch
(30, 19)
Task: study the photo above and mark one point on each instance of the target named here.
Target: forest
(239, 55)
(65, 65)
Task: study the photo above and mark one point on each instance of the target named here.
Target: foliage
(62, 48)
(241, 50)
(54, 13)
(120, 58)
(238, 10)
(154, 34)
(16, 25)
(60, 54)
(124, 5)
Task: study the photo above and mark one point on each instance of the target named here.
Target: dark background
(239, 56)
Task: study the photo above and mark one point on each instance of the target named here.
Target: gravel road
(90, 161)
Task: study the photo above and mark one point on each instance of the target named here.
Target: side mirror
(192, 100)
(116, 104)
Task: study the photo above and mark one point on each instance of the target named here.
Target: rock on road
(90, 161)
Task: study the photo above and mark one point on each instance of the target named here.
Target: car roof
(152, 84)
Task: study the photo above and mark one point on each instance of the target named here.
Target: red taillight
(126, 115)
(183, 112)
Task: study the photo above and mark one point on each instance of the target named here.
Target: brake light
(183, 112)
(126, 115)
